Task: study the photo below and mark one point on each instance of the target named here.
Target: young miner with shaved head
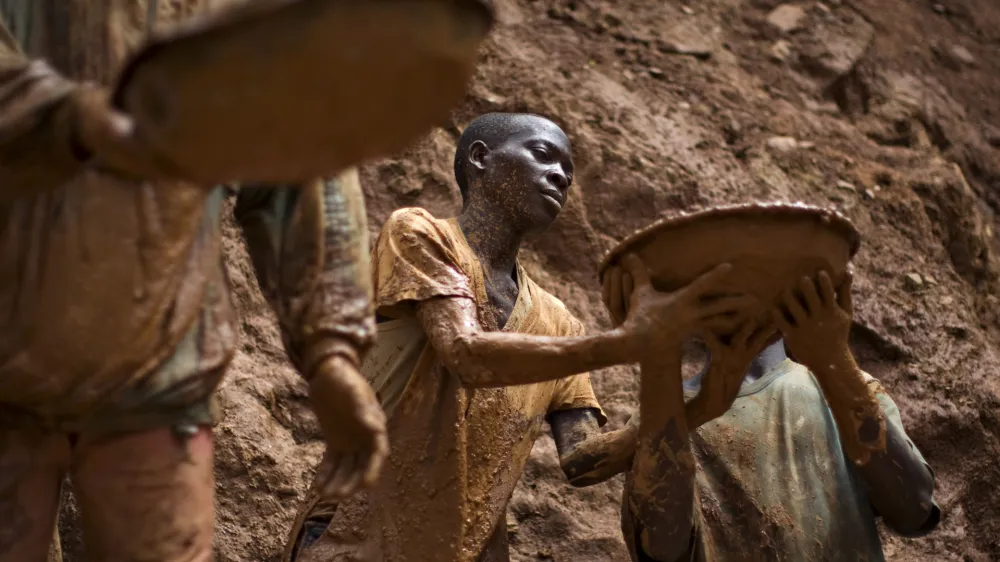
(473, 355)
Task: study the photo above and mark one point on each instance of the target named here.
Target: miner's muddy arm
(900, 484)
(38, 145)
(661, 498)
(816, 319)
(309, 246)
(491, 359)
(484, 359)
(587, 456)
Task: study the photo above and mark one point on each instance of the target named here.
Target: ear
(477, 154)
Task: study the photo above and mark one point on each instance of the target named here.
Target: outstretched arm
(309, 247)
(816, 319)
(490, 359)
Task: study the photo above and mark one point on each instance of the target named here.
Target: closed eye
(540, 153)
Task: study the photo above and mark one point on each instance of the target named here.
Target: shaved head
(493, 129)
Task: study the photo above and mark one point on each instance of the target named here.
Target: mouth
(553, 197)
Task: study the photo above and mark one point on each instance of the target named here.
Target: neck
(766, 361)
(493, 239)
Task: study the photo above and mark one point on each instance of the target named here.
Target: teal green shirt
(773, 483)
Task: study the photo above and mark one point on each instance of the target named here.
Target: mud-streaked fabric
(456, 453)
(310, 249)
(773, 483)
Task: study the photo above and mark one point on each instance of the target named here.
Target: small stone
(962, 55)
(930, 280)
(786, 18)
(656, 72)
(947, 301)
(939, 8)
(687, 10)
(913, 281)
(781, 50)
(782, 144)
(825, 107)
(869, 194)
(806, 145)
(846, 186)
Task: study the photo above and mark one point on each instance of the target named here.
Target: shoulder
(413, 229)
(412, 219)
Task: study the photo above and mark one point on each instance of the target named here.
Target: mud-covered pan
(284, 90)
(771, 246)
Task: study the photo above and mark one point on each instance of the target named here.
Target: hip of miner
(142, 474)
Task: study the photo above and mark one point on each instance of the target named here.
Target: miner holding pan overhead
(117, 321)
(770, 458)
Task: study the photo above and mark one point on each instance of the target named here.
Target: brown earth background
(888, 110)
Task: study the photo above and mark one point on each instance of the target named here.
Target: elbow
(918, 520)
(664, 547)
(582, 478)
(456, 356)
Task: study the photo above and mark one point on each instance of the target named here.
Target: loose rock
(846, 186)
(786, 18)
(782, 144)
(781, 50)
(963, 55)
(913, 281)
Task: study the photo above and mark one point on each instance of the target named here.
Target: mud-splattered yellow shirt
(456, 453)
(773, 484)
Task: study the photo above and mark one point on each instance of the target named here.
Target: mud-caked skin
(118, 324)
(797, 468)
(489, 364)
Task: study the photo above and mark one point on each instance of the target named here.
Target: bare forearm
(492, 359)
(859, 417)
(601, 457)
(662, 495)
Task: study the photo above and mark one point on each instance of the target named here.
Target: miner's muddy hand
(653, 317)
(816, 321)
(726, 369)
(353, 427)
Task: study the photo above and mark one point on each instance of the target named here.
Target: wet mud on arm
(483, 359)
(309, 247)
(587, 456)
(900, 483)
(661, 498)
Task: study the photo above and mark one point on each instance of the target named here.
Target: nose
(558, 179)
